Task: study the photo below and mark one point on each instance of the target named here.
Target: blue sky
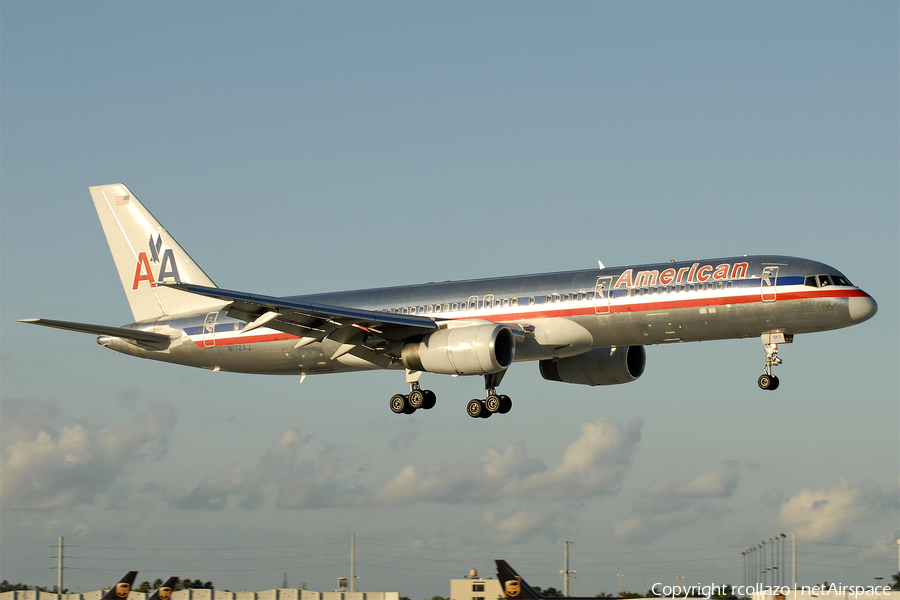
(306, 147)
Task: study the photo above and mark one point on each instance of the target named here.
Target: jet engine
(469, 350)
(601, 366)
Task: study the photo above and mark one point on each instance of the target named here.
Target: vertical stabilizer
(121, 590)
(514, 587)
(144, 254)
(165, 590)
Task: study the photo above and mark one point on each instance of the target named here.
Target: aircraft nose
(862, 308)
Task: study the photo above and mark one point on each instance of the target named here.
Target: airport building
(475, 588)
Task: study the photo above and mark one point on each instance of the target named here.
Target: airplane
(585, 327)
(121, 589)
(164, 592)
(516, 588)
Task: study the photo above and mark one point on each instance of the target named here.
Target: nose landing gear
(768, 381)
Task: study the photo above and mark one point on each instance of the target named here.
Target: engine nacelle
(601, 366)
(469, 350)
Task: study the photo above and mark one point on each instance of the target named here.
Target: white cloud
(829, 515)
(593, 465)
(517, 527)
(43, 468)
(214, 491)
(664, 506)
(667, 497)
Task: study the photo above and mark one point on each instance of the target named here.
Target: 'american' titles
(693, 274)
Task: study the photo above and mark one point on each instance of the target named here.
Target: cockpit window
(841, 280)
(826, 280)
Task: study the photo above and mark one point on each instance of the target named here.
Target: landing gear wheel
(774, 384)
(492, 403)
(399, 404)
(505, 404)
(475, 408)
(766, 381)
(430, 400)
(416, 399)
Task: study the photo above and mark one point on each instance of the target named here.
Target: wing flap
(308, 320)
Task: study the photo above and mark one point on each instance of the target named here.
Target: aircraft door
(488, 304)
(769, 283)
(209, 329)
(601, 295)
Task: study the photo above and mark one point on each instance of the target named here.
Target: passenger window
(506, 302)
(405, 310)
(531, 301)
(429, 308)
(455, 306)
(515, 302)
(446, 307)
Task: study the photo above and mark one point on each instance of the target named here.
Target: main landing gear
(768, 381)
(493, 403)
(407, 404)
(416, 399)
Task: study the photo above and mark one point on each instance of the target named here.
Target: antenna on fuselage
(602, 266)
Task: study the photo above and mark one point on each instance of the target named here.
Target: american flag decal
(122, 200)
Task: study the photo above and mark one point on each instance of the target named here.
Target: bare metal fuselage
(562, 314)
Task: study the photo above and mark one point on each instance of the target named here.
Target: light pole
(621, 575)
(765, 578)
(566, 572)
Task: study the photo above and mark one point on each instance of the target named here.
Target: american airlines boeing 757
(586, 327)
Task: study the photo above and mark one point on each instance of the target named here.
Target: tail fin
(145, 253)
(121, 590)
(514, 587)
(165, 590)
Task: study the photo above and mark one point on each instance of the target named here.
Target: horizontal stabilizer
(137, 335)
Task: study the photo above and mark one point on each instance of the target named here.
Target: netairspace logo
(708, 591)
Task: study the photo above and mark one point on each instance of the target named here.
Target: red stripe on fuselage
(614, 307)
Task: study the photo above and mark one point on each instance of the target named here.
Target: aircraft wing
(147, 337)
(312, 322)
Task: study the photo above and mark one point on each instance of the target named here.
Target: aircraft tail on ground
(514, 586)
(165, 590)
(145, 254)
(121, 590)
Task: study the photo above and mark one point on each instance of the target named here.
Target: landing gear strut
(768, 381)
(416, 399)
(407, 404)
(493, 402)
